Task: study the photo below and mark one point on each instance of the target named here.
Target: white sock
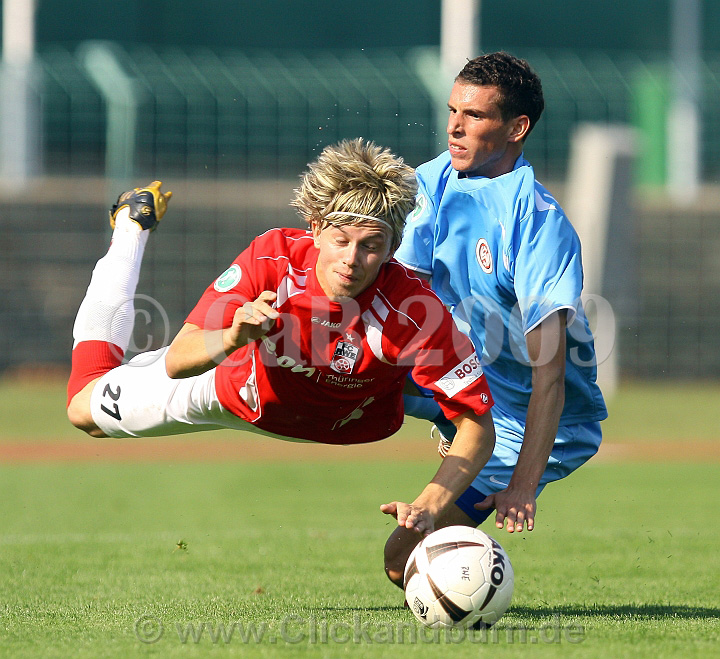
(107, 312)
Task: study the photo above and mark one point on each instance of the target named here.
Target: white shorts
(138, 399)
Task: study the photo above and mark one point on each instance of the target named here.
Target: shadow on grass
(624, 611)
(642, 611)
(364, 609)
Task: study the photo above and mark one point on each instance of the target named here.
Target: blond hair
(357, 182)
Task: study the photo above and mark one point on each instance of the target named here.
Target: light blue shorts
(574, 445)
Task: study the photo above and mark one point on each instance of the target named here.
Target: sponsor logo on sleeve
(228, 279)
(460, 376)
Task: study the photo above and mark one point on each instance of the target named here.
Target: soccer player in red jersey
(308, 335)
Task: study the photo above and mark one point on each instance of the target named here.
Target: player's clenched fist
(146, 206)
(252, 320)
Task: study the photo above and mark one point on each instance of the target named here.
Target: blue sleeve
(548, 266)
(418, 242)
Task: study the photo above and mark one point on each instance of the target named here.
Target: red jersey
(334, 372)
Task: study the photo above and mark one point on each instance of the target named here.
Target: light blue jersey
(504, 256)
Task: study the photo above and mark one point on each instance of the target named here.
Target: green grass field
(285, 559)
(639, 412)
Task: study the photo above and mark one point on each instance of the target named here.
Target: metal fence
(234, 114)
(230, 132)
(265, 114)
(673, 330)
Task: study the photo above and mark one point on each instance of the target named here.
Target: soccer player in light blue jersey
(501, 253)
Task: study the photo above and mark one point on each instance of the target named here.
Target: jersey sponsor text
(461, 376)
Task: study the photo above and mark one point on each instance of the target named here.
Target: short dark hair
(520, 87)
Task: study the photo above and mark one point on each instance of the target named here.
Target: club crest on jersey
(345, 356)
(484, 256)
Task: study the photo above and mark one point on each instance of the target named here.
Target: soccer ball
(458, 577)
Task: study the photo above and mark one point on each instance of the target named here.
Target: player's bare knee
(78, 418)
(79, 415)
(395, 576)
(398, 548)
(394, 568)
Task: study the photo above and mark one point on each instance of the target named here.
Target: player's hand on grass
(515, 508)
(411, 517)
(252, 320)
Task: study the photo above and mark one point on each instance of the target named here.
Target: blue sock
(426, 408)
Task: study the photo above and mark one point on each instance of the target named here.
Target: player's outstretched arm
(515, 504)
(195, 350)
(471, 449)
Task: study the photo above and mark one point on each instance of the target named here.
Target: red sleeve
(252, 272)
(444, 359)
(461, 388)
